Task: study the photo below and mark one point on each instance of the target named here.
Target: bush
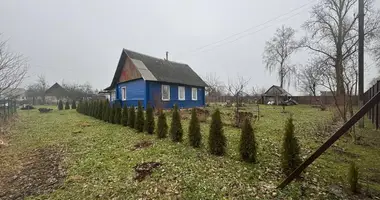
(124, 119)
(291, 150)
(99, 114)
(176, 131)
(117, 118)
(111, 115)
(149, 120)
(131, 117)
(139, 126)
(67, 105)
(247, 146)
(195, 136)
(353, 174)
(60, 105)
(106, 110)
(73, 105)
(216, 140)
(162, 126)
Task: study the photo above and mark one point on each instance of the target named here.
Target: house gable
(129, 71)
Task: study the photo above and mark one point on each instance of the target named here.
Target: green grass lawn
(99, 158)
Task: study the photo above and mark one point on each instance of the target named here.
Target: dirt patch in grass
(144, 169)
(142, 145)
(40, 173)
(84, 124)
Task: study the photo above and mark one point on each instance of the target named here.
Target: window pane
(194, 94)
(181, 93)
(165, 92)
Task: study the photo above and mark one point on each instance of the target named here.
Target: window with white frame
(165, 92)
(181, 93)
(113, 95)
(124, 93)
(194, 94)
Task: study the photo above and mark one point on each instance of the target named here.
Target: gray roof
(277, 90)
(156, 69)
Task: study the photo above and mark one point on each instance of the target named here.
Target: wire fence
(8, 107)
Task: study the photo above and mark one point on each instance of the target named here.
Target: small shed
(275, 95)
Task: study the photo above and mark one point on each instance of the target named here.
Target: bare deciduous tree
(278, 51)
(13, 68)
(38, 89)
(309, 79)
(214, 86)
(236, 88)
(333, 29)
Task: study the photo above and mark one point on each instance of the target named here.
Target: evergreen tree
(78, 108)
(99, 114)
(60, 105)
(124, 120)
(176, 131)
(149, 120)
(162, 126)
(217, 140)
(353, 175)
(73, 105)
(195, 136)
(111, 115)
(131, 117)
(106, 110)
(67, 105)
(117, 118)
(247, 146)
(139, 122)
(291, 150)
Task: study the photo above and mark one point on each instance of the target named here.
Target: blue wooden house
(159, 82)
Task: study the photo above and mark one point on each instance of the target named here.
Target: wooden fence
(309, 100)
(374, 113)
(7, 108)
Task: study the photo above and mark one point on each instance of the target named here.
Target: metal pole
(361, 57)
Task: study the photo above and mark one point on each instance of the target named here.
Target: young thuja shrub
(195, 135)
(162, 126)
(217, 141)
(149, 120)
(73, 105)
(106, 110)
(131, 117)
(111, 115)
(60, 105)
(99, 114)
(290, 149)
(67, 105)
(117, 118)
(139, 121)
(124, 119)
(247, 147)
(176, 131)
(353, 176)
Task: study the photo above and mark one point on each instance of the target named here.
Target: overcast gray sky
(81, 41)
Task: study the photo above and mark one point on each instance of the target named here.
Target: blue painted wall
(150, 92)
(153, 92)
(135, 92)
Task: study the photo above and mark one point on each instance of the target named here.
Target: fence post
(373, 108)
(377, 106)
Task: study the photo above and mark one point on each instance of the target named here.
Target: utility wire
(253, 27)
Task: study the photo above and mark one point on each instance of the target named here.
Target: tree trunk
(340, 91)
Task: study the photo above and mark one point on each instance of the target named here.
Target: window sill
(165, 99)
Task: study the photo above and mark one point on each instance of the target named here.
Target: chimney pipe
(167, 55)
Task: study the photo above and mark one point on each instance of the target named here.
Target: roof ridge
(155, 57)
